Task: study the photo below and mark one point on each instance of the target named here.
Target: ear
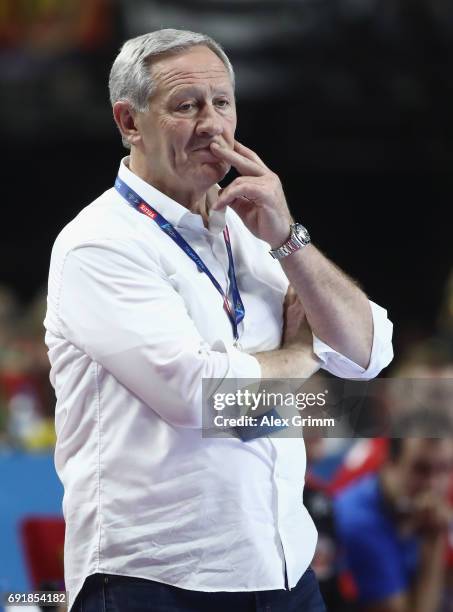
(124, 116)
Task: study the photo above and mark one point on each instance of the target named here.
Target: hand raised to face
(257, 196)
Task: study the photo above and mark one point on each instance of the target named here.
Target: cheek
(231, 128)
(178, 133)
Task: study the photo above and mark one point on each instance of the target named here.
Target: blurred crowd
(376, 66)
(27, 399)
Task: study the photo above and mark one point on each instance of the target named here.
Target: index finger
(246, 152)
(244, 165)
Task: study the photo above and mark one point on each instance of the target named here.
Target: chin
(222, 170)
(210, 174)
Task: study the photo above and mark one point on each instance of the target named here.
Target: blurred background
(349, 101)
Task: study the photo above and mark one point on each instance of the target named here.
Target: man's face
(425, 466)
(193, 105)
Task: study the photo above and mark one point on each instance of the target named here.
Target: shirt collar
(175, 213)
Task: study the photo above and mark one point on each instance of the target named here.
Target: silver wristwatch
(298, 239)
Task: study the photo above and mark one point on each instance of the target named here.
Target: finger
(249, 153)
(245, 191)
(239, 203)
(295, 314)
(243, 165)
(241, 206)
(238, 188)
(290, 296)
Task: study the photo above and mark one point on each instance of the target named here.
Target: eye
(185, 107)
(222, 103)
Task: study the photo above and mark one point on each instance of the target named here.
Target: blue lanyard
(235, 314)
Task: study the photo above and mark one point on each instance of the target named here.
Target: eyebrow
(185, 90)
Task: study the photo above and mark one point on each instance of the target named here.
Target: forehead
(196, 66)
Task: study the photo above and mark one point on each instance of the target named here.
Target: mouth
(203, 148)
(207, 145)
(206, 154)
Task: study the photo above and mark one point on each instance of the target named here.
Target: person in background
(394, 525)
(327, 559)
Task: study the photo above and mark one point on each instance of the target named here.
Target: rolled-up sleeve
(119, 308)
(381, 353)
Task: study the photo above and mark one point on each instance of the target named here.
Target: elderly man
(161, 282)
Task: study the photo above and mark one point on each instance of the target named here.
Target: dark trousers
(108, 593)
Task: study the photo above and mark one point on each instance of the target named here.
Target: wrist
(298, 239)
(303, 358)
(281, 238)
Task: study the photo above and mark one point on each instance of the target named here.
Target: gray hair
(130, 77)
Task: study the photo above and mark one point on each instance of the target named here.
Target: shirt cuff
(243, 371)
(240, 364)
(381, 353)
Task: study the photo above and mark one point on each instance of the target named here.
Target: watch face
(301, 233)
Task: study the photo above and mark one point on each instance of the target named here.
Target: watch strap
(293, 244)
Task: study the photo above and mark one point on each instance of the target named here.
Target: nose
(209, 123)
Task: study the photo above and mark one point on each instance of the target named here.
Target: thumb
(219, 205)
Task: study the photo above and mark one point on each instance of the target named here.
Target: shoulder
(107, 222)
(101, 219)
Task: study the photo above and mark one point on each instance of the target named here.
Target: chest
(261, 295)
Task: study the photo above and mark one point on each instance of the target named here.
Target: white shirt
(132, 327)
